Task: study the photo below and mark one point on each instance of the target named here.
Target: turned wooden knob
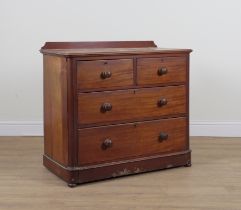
(162, 102)
(107, 143)
(162, 71)
(163, 136)
(105, 107)
(105, 74)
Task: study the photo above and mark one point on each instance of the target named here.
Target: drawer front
(109, 143)
(161, 70)
(104, 73)
(132, 104)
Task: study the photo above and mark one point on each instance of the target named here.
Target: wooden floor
(213, 182)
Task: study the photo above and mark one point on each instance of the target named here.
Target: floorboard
(213, 182)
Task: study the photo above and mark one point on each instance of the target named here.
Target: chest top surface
(75, 49)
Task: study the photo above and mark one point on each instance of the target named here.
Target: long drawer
(109, 143)
(131, 104)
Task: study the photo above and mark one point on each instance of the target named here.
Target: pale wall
(211, 28)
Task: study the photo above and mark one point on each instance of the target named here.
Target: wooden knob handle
(163, 137)
(162, 71)
(105, 107)
(107, 143)
(162, 102)
(105, 74)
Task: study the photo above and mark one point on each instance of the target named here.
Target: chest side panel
(55, 109)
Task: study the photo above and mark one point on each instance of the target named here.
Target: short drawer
(104, 73)
(109, 143)
(131, 104)
(161, 70)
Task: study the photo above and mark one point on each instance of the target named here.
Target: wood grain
(212, 183)
(113, 51)
(55, 109)
(98, 44)
(147, 70)
(90, 85)
(89, 73)
(131, 140)
(75, 49)
(132, 104)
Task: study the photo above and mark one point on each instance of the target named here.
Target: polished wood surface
(55, 109)
(212, 183)
(92, 84)
(147, 70)
(90, 74)
(131, 140)
(98, 44)
(132, 104)
(113, 51)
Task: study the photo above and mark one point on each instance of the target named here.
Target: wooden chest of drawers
(114, 109)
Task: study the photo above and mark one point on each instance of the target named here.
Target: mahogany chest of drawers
(114, 109)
